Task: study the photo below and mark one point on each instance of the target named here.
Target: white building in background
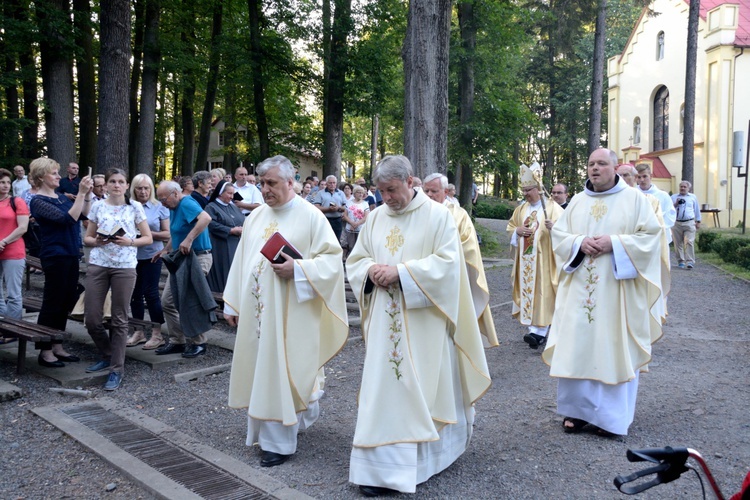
(647, 98)
(307, 162)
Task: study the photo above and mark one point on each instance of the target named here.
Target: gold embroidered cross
(598, 210)
(272, 228)
(394, 240)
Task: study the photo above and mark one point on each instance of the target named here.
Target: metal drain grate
(194, 473)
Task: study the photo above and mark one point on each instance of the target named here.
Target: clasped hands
(383, 275)
(596, 245)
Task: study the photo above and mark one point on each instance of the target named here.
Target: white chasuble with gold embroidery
(408, 390)
(609, 308)
(534, 268)
(282, 342)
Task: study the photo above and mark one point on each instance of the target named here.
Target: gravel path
(696, 395)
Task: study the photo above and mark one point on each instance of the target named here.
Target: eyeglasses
(164, 199)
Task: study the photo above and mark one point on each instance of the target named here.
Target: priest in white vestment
(609, 306)
(436, 187)
(291, 317)
(425, 364)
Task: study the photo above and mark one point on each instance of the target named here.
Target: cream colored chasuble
(283, 341)
(534, 268)
(480, 292)
(609, 308)
(407, 392)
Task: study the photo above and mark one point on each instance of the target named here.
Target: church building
(647, 99)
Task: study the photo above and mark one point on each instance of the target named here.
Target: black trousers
(60, 293)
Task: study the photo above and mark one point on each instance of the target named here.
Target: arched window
(660, 46)
(636, 130)
(661, 119)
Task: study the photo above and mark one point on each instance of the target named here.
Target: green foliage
(706, 240)
(743, 257)
(485, 210)
(727, 248)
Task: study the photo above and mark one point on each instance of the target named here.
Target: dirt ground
(697, 395)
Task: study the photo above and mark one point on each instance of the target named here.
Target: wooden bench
(31, 262)
(34, 304)
(28, 332)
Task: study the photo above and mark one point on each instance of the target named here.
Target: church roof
(742, 35)
(658, 169)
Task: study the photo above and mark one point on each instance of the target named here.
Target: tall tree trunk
(188, 97)
(256, 58)
(114, 77)
(230, 139)
(688, 133)
(425, 56)
(144, 161)
(468, 30)
(597, 81)
(374, 142)
(334, 132)
(30, 147)
(326, 42)
(211, 86)
(57, 79)
(177, 166)
(86, 76)
(139, 6)
(11, 130)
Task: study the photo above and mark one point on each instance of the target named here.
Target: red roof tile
(742, 35)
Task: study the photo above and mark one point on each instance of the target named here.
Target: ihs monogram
(394, 240)
(598, 210)
(272, 228)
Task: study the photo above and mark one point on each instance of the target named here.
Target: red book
(275, 246)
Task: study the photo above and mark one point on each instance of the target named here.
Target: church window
(661, 119)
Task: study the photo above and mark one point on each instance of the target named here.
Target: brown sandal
(578, 424)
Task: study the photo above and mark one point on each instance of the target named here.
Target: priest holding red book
(290, 316)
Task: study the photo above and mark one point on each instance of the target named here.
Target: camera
(681, 201)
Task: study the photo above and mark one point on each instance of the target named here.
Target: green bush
(743, 257)
(493, 211)
(727, 248)
(706, 241)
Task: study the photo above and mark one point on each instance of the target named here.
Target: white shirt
(20, 186)
(250, 194)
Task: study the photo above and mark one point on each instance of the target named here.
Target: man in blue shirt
(188, 228)
(332, 202)
(688, 221)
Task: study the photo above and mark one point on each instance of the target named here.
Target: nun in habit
(225, 230)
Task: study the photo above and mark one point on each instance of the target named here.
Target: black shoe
(534, 340)
(170, 348)
(271, 459)
(376, 491)
(69, 359)
(194, 350)
(49, 364)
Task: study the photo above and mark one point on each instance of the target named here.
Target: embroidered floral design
(272, 228)
(592, 279)
(395, 356)
(394, 240)
(256, 290)
(598, 210)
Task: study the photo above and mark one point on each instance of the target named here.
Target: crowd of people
(585, 271)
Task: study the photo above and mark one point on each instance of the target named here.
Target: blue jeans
(147, 287)
(12, 274)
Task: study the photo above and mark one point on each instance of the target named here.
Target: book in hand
(116, 231)
(275, 246)
(237, 196)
